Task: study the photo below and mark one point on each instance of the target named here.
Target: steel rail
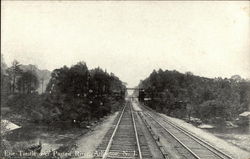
(152, 133)
(199, 140)
(174, 137)
(105, 155)
(196, 138)
(136, 134)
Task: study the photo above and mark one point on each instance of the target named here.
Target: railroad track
(124, 139)
(196, 147)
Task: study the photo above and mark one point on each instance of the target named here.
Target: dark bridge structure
(134, 89)
(141, 93)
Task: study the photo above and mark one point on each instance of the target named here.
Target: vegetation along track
(196, 147)
(122, 140)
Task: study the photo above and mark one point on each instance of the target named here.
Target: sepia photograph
(125, 79)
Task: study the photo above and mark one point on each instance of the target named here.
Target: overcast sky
(130, 39)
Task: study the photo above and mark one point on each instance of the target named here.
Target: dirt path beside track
(87, 143)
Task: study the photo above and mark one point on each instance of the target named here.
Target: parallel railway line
(197, 147)
(123, 140)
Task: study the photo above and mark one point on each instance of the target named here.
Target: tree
(78, 78)
(5, 82)
(236, 78)
(59, 81)
(13, 72)
(28, 82)
(3, 65)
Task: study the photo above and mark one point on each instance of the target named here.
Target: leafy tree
(59, 81)
(5, 82)
(27, 82)
(14, 71)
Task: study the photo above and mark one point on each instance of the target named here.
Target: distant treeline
(186, 95)
(19, 78)
(73, 94)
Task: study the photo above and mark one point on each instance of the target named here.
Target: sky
(130, 38)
